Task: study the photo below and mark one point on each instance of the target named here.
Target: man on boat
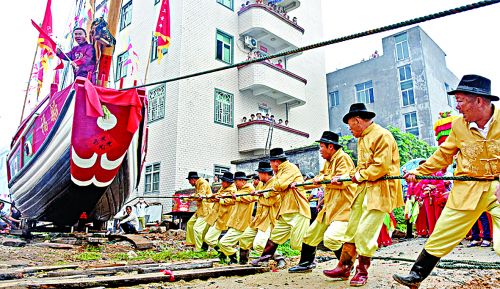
(82, 57)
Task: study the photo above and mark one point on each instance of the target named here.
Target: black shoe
(232, 259)
(303, 267)
(420, 270)
(204, 246)
(306, 263)
(220, 255)
(244, 256)
(267, 254)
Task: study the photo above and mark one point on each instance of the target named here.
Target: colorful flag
(162, 31)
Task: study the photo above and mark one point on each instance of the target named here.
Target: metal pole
(28, 85)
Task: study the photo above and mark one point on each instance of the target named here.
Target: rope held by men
(325, 182)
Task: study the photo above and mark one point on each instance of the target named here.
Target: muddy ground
(380, 272)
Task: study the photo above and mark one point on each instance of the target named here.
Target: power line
(401, 24)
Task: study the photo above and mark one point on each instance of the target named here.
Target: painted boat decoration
(81, 150)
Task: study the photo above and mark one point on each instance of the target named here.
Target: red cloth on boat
(96, 95)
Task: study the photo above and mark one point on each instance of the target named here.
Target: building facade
(195, 124)
(406, 86)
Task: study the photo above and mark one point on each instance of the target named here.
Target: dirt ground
(380, 273)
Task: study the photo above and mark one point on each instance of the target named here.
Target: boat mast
(107, 52)
(29, 81)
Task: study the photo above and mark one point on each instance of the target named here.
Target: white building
(195, 123)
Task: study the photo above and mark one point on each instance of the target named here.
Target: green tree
(410, 147)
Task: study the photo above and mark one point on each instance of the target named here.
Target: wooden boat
(81, 150)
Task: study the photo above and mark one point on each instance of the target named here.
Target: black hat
(240, 176)
(358, 109)
(329, 137)
(255, 177)
(276, 154)
(264, 167)
(475, 84)
(227, 177)
(193, 175)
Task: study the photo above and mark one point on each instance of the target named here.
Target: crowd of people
(9, 219)
(280, 10)
(257, 54)
(352, 214)
(266, 117)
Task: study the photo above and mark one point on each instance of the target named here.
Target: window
(156, 99)
(121, 69)
(333, 98)
(223, 108)
(227, 3)
(411, 123)
(154, 49)
(224, 47)
(126, 15)
(406, 84)
(152, 179)
(364, 92)
(219, 171)
(402, 50)
(452, 102)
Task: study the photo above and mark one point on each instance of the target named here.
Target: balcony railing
(264, 78)
(269, 27)
(252, 136)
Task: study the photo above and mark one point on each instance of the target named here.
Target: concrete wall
(429, 73)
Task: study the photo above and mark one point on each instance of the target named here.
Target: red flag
(44, 40)
(162, 31)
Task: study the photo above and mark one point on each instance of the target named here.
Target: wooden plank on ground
(139, 242)
(19, 272)
(142, 268)
(134, 279)
(177, 267)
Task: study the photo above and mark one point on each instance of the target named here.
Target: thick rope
(446, 178)
(450, 264)
(334, 41)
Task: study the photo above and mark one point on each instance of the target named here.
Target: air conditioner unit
(250, 42)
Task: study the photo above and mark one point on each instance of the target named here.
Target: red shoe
(361, 276)
(340, 272)
(347, 258)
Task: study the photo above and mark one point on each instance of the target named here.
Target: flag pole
(148, 61)
(28, 85)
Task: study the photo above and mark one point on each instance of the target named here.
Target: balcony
(266, 79)
(269, 27)
(252, 136)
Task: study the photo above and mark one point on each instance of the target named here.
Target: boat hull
(51, 186)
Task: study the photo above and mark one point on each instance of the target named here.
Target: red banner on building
(162, 31)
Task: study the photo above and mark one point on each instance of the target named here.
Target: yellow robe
(221, 209)
(292, 200)
(267, 208)
(378, 156)
(476, 157)
(338, 198)
(242, 208)
(203, 189)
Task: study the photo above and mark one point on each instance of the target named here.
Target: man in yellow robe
(221, 211)
(331, 223)
(240, 217)
(293, 214)
(474, 141)
(378, 156)
(259, 231)
(197, 227)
